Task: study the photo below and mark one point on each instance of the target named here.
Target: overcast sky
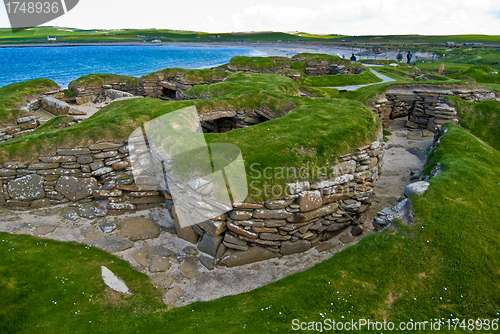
(359, 17)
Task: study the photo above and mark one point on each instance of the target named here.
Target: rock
(207, 262)
(93, 236)
(274, 237)
(102, 171)
(233, 258)
(310, 200)
(306, 216)
(172, 295)
(240, 215)
(112, 281)
(107, 226)
(295, 188)
(351, 205)
(189, 268)
(76, 188)
(271, 214)
(139, 228)
(159, 264)
(324, 247)
(26, 188)
(40, 203)
(114, 94)
(337, 226)
(209, 244)
(417, 188)
(278, 204)
(158, 250)
(238, 230)
(55, 106)
(43, 230)
(213, 227)
(346, 239)
(91, 211)
(163, 281)
(186, 233)
(356, 230)
(289, 247)
(112, 244)
(71, 215)
(141, 257)
(189, 250)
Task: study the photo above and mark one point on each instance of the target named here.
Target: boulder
(76, 188)
(186, 233)
(233, 258)
(26, 188)
(55, 106)
(417, 188)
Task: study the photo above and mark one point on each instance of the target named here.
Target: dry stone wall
(426, 108)
(86, 94)
(100, 171)
(169, 86)
(308, 215)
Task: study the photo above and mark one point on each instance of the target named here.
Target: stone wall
(326, 68)
(98, 172)
(308, 215)
(91, 93)
(169, 86)
(426, 108)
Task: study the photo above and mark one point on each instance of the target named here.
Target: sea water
(64, 64)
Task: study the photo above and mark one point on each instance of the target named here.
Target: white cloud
(361, 17)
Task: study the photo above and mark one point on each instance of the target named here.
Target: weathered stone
(40, 203)
(274, 237)
(26, 188)
(159, 264)
(213, 227)
(96, 165)
(235, 246)
(356, 230)
(73, 151)
(112, 244)
(274, 222)
(107, 226)
(310, 200)
(120, 207)
(346, 239)
(189, 268)
(207, 262)
(351, 205)
(278, 203)
(337, 226)
(147, 200)
(289, 247)
(306, 216)
(54, 106)
(85, 159)
(233, 258)
(15, 164)
(240, 215)
(121, 165)
(163, 281)
(76, 188)
(139, 228)
(324, 247)
(186, 233)
(104, 146)
(209, 244)
(43, 230)
(298, 187)
(271, 214)
(102, 171)
(250, 223)
(91, 211)
(246, 205)
(172, 295)
(141, 258)
(105, 155)
(241, 231)
(265, 229)
(43, 165)
(417, 188)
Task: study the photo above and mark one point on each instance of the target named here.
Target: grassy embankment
(443, 266)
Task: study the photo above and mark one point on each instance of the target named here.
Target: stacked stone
(309, 214)
(325, 68)
(24, 126)
(100, 171)
(224, 121)
(274, 69)
(426, 108)
(84, 94)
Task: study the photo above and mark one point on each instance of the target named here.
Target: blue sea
(64, 64)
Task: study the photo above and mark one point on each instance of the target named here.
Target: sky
(359, 17)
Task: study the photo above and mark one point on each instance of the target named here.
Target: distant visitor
(408, 56)
(353, 57)
(399, 57)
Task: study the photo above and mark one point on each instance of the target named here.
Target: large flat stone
(289, 247)
(189, 268)
(271, 214)
(172, 295)
(26, 188)
(209, 244)
(76, 188)
(55, 106)
(306, 216)
(186, 233)
(310, 200)
(139, 228)
(233, 258)
(112, 244)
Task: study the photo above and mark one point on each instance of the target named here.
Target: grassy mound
(16, 95)
(99, 79)
(444, 266)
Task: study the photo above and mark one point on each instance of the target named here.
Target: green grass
(15, 96)
(481, 119)
(339, 80)
(444, 266)
(99, 79)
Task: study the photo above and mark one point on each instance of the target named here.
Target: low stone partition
(91, 93)
(306, 216)
(326, 68)
(79, 175)
(170, 86)
(425, 107)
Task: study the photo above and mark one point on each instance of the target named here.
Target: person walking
(408, 56)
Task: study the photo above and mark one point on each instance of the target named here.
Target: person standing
(399, 57)
(353, 57)
(408, 56)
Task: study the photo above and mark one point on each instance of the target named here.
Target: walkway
(384, 78)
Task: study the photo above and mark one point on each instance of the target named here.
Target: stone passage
(425, 107)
